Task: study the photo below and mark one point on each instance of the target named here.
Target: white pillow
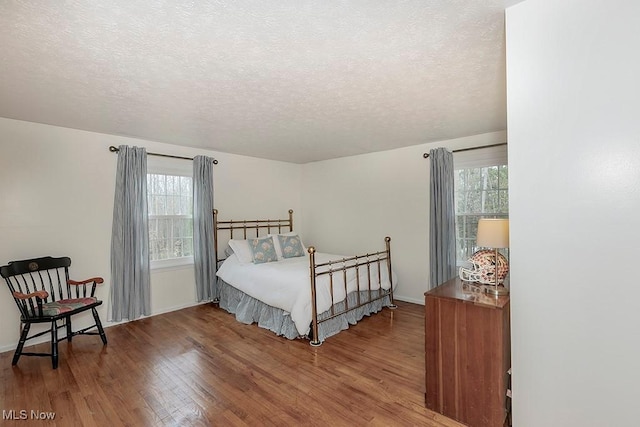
(276, 242)
(242, 250)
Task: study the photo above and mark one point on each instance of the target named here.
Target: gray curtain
(204, 252)
(130, 290)
(442, 232)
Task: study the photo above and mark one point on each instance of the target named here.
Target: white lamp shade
(493, 233)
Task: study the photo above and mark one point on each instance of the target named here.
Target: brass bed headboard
(256, 224)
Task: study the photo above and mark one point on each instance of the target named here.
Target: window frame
(170, 167)
(482, 158)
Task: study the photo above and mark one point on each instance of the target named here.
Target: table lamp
(494, 233)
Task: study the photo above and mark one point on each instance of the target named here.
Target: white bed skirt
(249, 310)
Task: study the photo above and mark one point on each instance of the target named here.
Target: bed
(267, 276)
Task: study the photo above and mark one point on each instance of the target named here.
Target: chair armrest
(97, 280)
(92, 282)
(27, 307)
(37, 294)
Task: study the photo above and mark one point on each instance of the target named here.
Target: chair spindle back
(41, 274)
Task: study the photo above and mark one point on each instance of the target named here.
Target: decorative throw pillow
(291, 246)
(276, 240)
(263, 250)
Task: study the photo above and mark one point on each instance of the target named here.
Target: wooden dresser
(467, 354)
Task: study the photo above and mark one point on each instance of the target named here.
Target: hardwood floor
(199, 366)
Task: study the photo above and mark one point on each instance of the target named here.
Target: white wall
(56, 198)
(350, 204)
(574, 164)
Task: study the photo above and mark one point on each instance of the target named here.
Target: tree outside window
(479, 193)
(170, 204)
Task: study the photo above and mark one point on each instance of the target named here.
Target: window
(170, 204)
(481, 191)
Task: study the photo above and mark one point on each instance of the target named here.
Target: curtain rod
(115, 150)
(426, 155)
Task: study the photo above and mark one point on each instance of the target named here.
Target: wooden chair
(44, 294)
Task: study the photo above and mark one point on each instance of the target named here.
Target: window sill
(171, 264)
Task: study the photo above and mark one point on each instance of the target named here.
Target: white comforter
(286, 285)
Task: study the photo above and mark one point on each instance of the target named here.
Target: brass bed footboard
(342, 266)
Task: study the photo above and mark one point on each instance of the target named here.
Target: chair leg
(54, 344)
(69, 333)
(99, 325)
(23, 339)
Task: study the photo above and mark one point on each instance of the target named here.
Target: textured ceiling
(292, 80)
